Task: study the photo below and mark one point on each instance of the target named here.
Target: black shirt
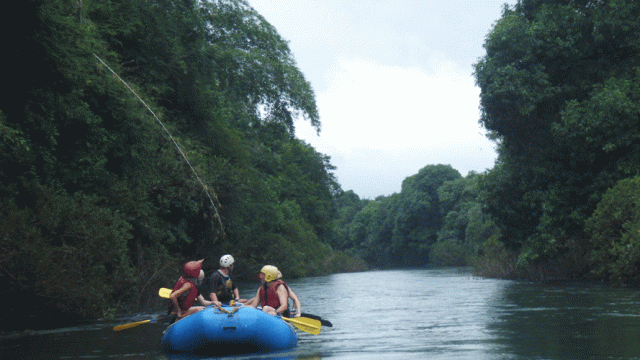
(223, 286)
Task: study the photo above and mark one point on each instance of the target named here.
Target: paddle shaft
(130, 325)
(137, 323)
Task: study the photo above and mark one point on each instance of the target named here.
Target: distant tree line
(435, 219)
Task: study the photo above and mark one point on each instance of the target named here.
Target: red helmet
(192, 268)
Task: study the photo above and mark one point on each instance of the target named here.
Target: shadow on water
(97, 341)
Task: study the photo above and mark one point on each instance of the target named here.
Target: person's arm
(296, 303)
(213, 285)
(204, 301)
(254, 300)
(176, 294)
(283, 296)
(214, 299)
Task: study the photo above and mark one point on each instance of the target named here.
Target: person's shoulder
(218, 276)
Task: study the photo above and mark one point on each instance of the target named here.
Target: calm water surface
(404, 314)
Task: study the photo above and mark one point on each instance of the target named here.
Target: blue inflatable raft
(228, 331)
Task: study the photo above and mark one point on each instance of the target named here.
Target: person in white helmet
(221, 286)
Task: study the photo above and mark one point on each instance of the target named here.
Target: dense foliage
(560, 93)
(99, 208)
(615, 233)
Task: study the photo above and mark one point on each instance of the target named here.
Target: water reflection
(567, 321)
(391, 314)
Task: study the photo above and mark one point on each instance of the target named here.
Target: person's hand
(217, 303)
(297, 314)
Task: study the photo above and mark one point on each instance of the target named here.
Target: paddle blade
(322, 321)
(130, 325)
(311, 326)
(164, 292)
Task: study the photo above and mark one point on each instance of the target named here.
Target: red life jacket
(186, 299)
(271, 298)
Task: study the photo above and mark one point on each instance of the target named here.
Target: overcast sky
(393, 81)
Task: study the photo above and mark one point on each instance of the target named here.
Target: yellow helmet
(270, 272)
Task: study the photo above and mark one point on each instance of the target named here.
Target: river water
(403, 314)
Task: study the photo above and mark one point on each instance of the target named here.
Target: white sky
(393, 81)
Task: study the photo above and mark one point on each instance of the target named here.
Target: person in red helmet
(185, 291)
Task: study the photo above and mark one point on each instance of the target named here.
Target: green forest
(140, 134)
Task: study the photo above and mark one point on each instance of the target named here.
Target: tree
(614, 230)
(371, 231)
(348, 204)
(419, 218)
(555, 77)
(464, 227)
(91, 186)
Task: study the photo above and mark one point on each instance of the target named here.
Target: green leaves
(88, 174)
(614, 230)
(558, 91)
(66, 252)
(612, 105)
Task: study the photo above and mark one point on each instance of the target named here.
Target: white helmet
(226, 261)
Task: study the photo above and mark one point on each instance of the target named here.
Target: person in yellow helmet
(272, 294)
(293, 296)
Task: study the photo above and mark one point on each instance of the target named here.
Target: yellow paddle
(164, 292)
(130, 325)
(134, 324)
(311, 326)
